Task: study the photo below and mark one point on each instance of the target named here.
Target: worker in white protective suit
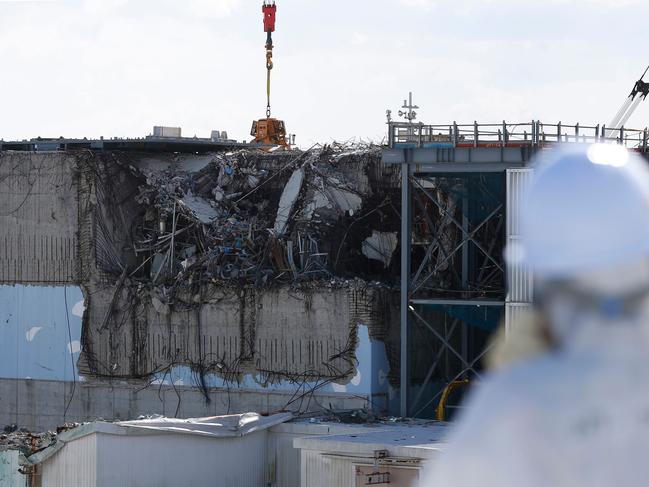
(577, 415)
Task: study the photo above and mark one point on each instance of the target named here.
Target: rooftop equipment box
(159, 131)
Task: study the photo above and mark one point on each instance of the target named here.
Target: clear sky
(117, 67)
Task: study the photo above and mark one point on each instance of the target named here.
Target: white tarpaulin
(220, 426)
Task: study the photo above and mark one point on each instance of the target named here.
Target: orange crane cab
(269, 131)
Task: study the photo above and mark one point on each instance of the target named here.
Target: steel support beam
(458, 302)
(433, 366)
(456, 377)
(406, 241)
(459, 160)
(417, 164)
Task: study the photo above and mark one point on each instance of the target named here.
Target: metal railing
(534, 133)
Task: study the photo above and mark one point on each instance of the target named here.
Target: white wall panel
(519, 277)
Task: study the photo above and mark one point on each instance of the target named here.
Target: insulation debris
(28, 442)
(380, 246)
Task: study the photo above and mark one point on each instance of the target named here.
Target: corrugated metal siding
(322, 471)
(158, 460)
(519, 277)
(172, 460)
(284, 459)
(514, 313)
(75, 465)
(517, 181)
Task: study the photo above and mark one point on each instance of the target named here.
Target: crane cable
(269, 66)
(269, 10)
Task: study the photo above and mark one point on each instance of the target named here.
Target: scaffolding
(453, 200)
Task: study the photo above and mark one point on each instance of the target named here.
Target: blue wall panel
(34, 337)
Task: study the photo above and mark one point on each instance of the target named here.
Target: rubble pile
(258, 218)
(13, 438)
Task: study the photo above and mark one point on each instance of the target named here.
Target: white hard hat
(587, 209)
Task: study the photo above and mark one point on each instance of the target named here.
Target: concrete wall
(272, 334)
(40, 405)
(39, 212)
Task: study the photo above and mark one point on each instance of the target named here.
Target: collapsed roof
(253, 217)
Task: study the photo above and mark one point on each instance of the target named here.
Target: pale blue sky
(117, 67)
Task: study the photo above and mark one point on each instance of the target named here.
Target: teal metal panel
(9, 475)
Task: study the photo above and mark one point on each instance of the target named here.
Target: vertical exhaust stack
(269, 131)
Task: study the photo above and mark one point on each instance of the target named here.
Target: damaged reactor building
(198, 277)
(195, 280)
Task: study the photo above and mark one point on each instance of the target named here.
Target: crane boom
(638, 93)
(620, 113)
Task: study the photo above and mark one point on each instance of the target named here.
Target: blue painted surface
(484, 317)
(34, 339)
(34, 344)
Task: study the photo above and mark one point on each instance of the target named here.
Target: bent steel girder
(483, 234)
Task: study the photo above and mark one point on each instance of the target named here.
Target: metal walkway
(534, 133)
